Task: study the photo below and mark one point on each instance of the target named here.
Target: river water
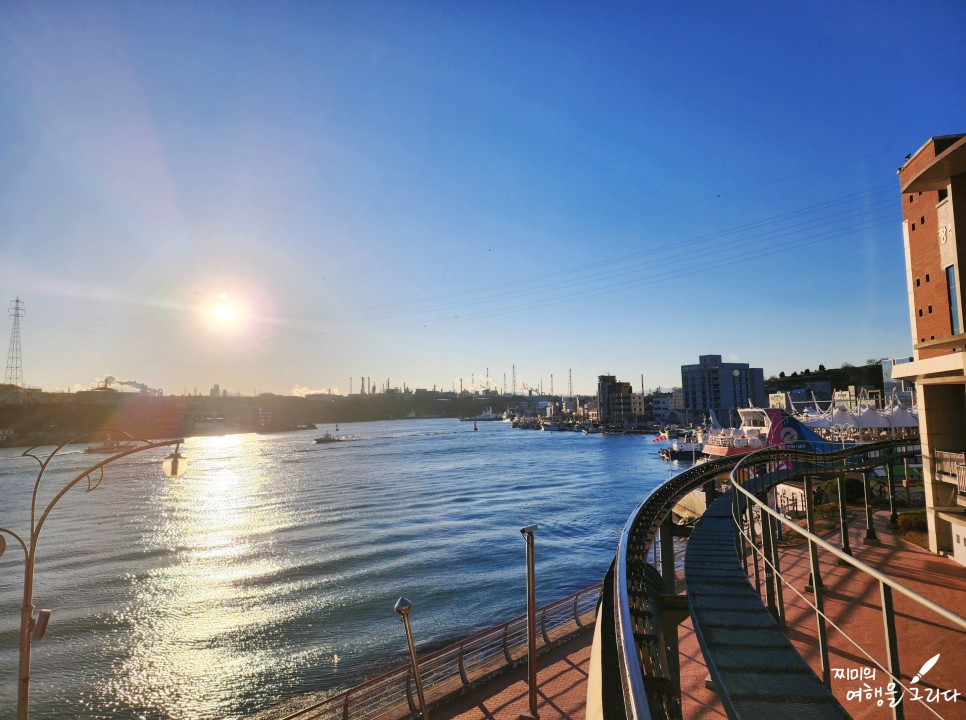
(271, 568)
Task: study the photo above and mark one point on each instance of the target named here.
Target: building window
(920, 312)
(930, 309)
(927, 277)
(914, 227)
(917, 282)
(943, 194)
(910, 198)
(922, 219)
(953, 299)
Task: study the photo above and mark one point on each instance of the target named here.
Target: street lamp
(404, 607)
(174, 466)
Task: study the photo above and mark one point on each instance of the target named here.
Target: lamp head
(40, 624)
(528, 529)
(175, 464)
(403, 606)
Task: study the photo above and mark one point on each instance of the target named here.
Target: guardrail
(638, 656)
(645, 665)
(448, 672)
(756, 525)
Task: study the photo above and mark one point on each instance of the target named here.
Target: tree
(847, 365)
(782, 374)
(821, 368)
(806, 372)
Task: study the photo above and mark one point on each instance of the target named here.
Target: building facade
(933, 187)
(713, 385)
(614, 399)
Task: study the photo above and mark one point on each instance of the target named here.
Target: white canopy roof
(901, 416)
(842, 418)
(871, 418)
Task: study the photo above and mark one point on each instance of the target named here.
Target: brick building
(933, 186)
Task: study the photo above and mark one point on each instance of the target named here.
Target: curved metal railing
(641, 665)
(453, 669)
(637, 655)
(763, 470)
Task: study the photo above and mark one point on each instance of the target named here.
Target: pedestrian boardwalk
(852, 601)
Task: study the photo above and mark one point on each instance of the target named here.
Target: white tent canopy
(841, 418)
(871, 418)
(901, 416)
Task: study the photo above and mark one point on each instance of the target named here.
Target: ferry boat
(760, 428)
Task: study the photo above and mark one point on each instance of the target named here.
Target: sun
(223, 312)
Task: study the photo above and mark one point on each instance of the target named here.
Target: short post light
(33, 628)
(404, 607)
(527, 533)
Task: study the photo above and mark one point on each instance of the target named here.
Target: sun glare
(224, 312)
(224, 315)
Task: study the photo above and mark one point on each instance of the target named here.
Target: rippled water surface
(271, 568)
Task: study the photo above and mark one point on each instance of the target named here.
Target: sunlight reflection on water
(271, 567)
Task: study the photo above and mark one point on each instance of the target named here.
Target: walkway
(850, 598)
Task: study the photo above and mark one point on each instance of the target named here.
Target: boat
(760, 428)
(484, 416)
(687, 448)
(109, 447)
(327, 438)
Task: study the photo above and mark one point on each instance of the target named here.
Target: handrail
(828, 547)
(764, 470)
(456, 667)
(637, 537)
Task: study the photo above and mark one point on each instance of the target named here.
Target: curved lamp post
(404, 607)
(174, 466)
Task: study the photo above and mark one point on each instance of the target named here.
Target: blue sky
(427, 192)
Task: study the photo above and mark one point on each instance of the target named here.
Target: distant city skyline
(282, 199)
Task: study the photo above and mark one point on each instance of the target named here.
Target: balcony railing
(448, 672)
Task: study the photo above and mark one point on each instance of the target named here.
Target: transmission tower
(14, 374)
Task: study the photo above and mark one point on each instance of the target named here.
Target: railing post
(843, 517)
(668, 572)
(576, 616)
(767, 542)
(893, 508)
(813, 579)
(345, 705)
(817, 589)
(461, 665)
(892, 646)
(870, 537)
(506, 646)
(754, 548)
(543, 626)
(779, 591)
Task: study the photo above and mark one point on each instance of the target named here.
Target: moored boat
(760, 428)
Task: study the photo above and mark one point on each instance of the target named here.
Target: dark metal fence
(448, 672)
